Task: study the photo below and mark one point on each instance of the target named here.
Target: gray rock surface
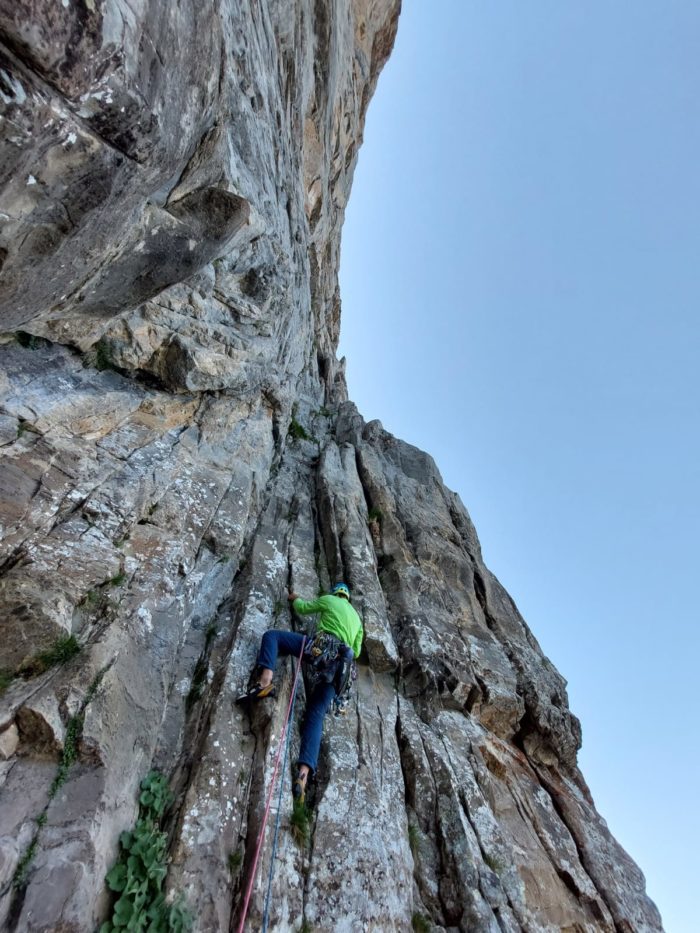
(177, 450)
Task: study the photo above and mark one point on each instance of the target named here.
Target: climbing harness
(284, 740)
(321, 657)
(329, 660)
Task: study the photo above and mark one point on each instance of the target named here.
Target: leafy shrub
(155, 794)
(139, 874)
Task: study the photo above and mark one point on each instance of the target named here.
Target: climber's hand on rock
(291, 596)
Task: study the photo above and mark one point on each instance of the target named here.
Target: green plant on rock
(92, 598)
(300, 822)
(74, 732)
(28, 341)
(420, 923)
(100, 356)
(155, 794)
(70, 751)
(62, 650)
(95, 600)
(6, 678)
(494, 863)
(20, 875)
(199, 682)
(68, 756)
(374, 515)
(140, 872)
(235, 860)
(298, 432)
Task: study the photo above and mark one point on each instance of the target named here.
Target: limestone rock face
(177, 450)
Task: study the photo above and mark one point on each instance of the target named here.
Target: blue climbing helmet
(340, 589)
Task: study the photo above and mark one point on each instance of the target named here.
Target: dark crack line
(482, 849)
(582, 857)
(400, 741)
(381, 748)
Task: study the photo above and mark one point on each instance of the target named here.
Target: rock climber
(328, 668)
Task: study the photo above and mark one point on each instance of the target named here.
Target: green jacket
(337, 617)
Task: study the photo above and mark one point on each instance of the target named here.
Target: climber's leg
(316, 708)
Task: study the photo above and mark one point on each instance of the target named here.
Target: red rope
(269, 796)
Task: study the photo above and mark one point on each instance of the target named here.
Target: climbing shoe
(299, 790)
(340, 706)
(257, 692)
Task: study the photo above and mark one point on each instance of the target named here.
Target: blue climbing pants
(276, 642)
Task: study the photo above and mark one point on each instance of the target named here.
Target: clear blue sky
(520, 280)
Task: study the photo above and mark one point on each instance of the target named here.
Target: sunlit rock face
(178, 450)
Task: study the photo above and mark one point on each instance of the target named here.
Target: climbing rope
(279, 803)
(284, 740)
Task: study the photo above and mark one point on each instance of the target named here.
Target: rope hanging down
(284, 740)
(266, 912)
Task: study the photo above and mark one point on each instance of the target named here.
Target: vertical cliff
(178, 449)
